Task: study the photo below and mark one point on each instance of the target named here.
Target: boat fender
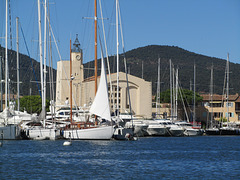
(127, 136)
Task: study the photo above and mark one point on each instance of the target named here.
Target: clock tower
(76, 51)
(63, 76)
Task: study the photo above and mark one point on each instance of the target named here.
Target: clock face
(78, 57)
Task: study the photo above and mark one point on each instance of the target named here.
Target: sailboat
(212, 130)
(42, 132)
(190, 129)
(15, 117)
(155, 128)
(228, 130)
(100, 107)
(8, 130)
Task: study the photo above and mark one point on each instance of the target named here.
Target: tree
(32, 104)
(187, 96)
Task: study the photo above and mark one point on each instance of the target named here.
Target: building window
(229, 104)
(229, 114)
(217, 114)
(215, 105)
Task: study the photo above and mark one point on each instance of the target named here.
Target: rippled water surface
(205, 157)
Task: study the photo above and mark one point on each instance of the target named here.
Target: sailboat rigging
(44, 132)
(100, 106)
(228, 130)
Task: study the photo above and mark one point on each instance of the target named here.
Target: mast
(211, 96)
(6, 58)
(1, 83)
(194, 95)
(45, 54)
(176, 95)
(173, 93)
(158, 89)
(52, 95)
(17, 65)
(117, 58)
(227, 88)
(71, 78)
(95, 23)
(171, 88)
(41, 56)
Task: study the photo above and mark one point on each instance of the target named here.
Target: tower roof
(76, 45)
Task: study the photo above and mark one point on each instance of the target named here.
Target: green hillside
(147, 55)
(182, 59)
(29, 73)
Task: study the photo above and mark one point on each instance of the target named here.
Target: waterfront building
(84, 92)
(220, 108)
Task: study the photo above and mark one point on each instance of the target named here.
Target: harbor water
(204, 157)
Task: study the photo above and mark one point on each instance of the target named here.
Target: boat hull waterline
(95, 133)
(43, 134)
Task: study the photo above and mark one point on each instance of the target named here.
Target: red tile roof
(217, 97)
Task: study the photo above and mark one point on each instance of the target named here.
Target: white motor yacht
(156, 129)
(173, 129)
(140, 128)
(189, 129)
(36, 131)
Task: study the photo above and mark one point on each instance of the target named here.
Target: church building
(83, 90)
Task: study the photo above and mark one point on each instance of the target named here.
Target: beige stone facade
(63, 80)
(83, 91)
(229, 110)
(163, 110)
(140, 93)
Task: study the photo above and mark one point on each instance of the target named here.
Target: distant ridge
(29, 73)
(182, 59)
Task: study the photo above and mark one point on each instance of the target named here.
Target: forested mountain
(148, 56)
(29, 73)
(181, 59)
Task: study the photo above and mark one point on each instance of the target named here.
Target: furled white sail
(100, 106)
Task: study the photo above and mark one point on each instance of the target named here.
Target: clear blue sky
(208, 27)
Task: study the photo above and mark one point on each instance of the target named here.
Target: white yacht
(189, 130)
(35, 130)
(156, 129)
(9, 123)
(173, 129)
(140, 128)
(100, 107)
(43, 133)
(78, 114)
